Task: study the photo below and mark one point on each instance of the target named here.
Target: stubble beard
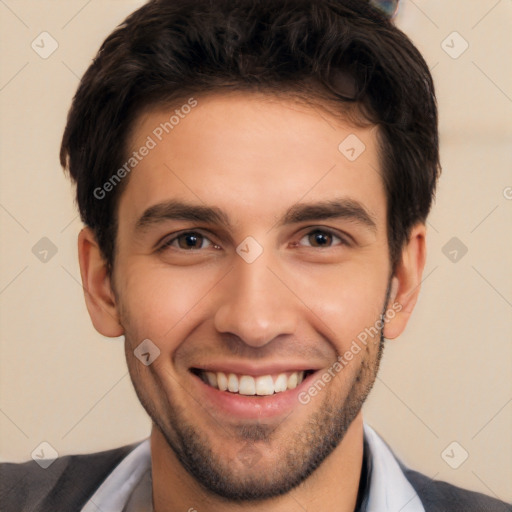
(306, 448)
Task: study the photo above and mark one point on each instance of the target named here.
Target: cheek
(157, 302)
(346, 302)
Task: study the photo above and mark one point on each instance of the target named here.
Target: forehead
(251, 155)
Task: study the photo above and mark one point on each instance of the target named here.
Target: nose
(255, 303)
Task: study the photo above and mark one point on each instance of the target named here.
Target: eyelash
(169, 242)
(324, 231)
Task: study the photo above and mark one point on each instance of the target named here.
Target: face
(252, 252)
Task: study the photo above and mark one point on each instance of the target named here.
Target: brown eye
(190, 241)
(320, 238)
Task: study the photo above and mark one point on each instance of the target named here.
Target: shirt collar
(113, 494)
(390, 491)
(386, 489)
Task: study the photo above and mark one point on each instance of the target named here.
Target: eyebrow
(179, 210)
(335, 209)
(301, 212)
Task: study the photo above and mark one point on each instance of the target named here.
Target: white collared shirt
(390, 491)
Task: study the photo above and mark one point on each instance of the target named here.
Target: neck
(333, 486)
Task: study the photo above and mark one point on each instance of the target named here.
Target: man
(255, 178)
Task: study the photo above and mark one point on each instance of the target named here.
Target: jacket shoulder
(438, 496)
(65, 485)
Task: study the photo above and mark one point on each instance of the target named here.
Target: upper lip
(242, 368)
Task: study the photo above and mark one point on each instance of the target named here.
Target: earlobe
(99, 296)
(406, 282)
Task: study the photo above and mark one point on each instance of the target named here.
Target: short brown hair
(168, 50)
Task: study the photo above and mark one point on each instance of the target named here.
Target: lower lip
(250, 407)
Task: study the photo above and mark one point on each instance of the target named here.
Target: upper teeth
(248, 385)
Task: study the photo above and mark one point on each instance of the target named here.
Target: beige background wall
(448, 379)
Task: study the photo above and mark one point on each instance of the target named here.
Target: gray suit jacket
(70, 481)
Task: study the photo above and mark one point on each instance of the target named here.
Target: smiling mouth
(248, 385)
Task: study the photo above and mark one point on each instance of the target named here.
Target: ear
(406, 282)
(99, 297)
